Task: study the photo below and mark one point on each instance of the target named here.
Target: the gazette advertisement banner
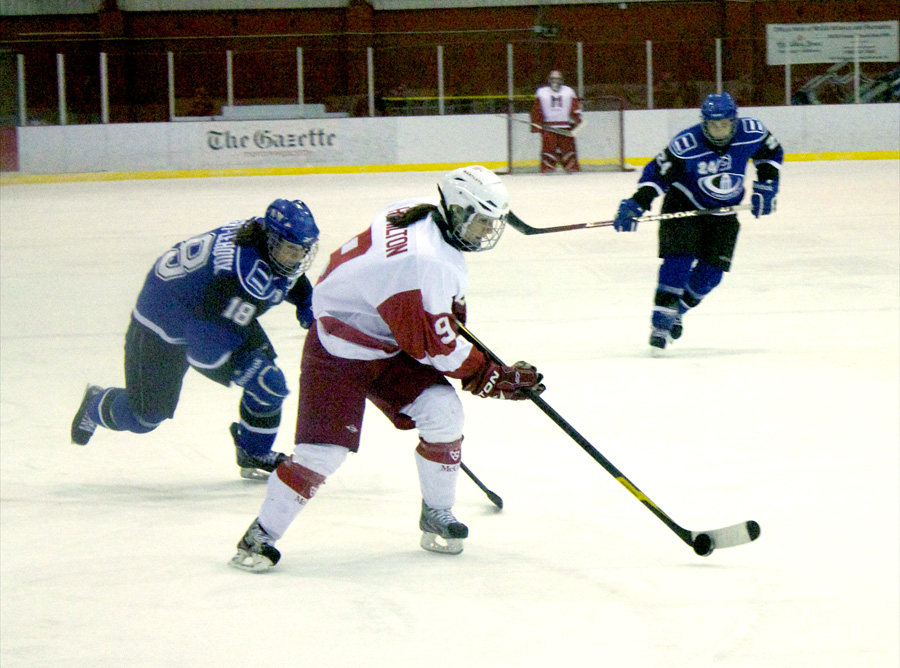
(801, 43)
(298, 143)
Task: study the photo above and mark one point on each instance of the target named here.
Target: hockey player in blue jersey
(702, 168)
(198, 309)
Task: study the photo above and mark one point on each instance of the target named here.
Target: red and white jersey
(391, 289)
(560, 108)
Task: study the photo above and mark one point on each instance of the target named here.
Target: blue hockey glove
(260, 378)
(763, 198)
(626, 218)
(305, 315)
(301, 295)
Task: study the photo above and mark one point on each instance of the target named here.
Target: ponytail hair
(251, 233)
(415, 214)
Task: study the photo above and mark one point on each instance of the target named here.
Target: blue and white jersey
(708, 176)
(204, 292)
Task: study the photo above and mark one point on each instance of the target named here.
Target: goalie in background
(387, 308)
(198, 309)
(556, 112)
(703, 167)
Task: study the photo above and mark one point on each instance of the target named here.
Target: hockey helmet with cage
(719, 114)
(475, 205)
(555, 79)
(292, 237)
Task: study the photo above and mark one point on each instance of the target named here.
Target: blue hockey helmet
(719, 114)
(292, 236)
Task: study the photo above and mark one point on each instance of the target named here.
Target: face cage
(723, 141)
(290, 259)
(483, 242)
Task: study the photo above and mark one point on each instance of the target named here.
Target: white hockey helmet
(475, 204)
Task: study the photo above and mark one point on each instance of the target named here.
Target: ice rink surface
(779, 404)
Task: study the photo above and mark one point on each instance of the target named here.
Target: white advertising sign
(300, 143)
(802, 43)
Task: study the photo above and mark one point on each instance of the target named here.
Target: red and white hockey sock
(438, 465)
(287, 492)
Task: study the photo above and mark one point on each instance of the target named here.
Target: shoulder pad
(751, 126)
(686, 143)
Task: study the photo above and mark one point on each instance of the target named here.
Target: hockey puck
(703, 545)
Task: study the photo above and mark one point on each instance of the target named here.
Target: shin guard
(702, 280)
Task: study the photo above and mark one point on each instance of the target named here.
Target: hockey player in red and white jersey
(387, 308)
(556, 112)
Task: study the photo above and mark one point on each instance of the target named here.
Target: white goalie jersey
(559, 109)
(392, 289)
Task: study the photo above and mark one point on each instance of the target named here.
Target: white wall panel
(409, 141)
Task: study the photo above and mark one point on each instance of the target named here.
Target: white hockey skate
(441, 531)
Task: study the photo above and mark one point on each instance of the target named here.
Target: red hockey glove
(496, 381)
(459, 309)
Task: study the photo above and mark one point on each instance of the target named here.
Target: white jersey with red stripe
(559, 108)
(391, 289)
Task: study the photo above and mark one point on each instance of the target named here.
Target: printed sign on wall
(802, 43)
(299, 143)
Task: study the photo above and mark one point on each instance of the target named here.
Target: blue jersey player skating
(702, 168)
(199, 308)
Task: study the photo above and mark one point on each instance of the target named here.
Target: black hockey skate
(441, 531)
(254, 468)
(256, 550)
(659, 338)
(677, 328)
(82, 426)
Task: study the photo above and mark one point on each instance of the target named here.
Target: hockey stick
(495, 498)
(557, 131)
(518, 224)
(703, 542)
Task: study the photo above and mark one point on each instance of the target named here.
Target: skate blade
(252, 563)
(434, 543)
(254, 474)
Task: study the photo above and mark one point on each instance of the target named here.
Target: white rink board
(408, 141)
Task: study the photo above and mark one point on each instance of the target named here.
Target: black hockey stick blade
(520, 225)
(702, 542)
(495, 498)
